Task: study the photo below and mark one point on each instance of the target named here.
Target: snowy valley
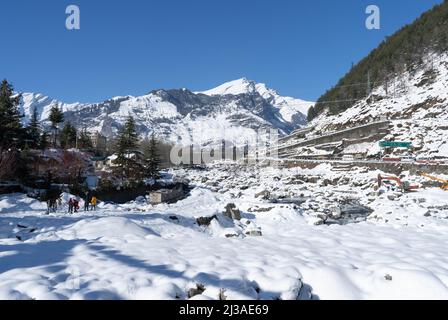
(279, 249)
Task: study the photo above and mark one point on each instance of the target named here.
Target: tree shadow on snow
(182, 221)
(42, 254)
(242, 286)
(136, 263)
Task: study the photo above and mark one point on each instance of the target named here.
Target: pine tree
(43, 141)
(84, 141)
(127, 141)
(152, 162)
(311, 114)
(34, 130)
(68, 135)
(11, 131)
(127, 150)
(56, 117)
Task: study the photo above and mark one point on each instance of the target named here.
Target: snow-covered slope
(182, 116)
(415, 102)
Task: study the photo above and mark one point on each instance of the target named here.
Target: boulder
(196, 291)
(265, 194)
(232, 212)
(205, 221)
(254, 233)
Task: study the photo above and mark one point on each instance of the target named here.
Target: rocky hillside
(416, 103)
(408, 76)
(400, 55)
(232, 111)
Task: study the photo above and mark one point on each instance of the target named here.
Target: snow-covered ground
(137, 251)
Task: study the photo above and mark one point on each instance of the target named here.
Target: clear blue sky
(297, 47)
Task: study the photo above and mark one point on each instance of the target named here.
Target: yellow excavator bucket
(442, 181)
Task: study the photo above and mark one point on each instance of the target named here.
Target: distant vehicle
(408, 159)
(423, 159)
(390, 159)
(348, 158)
(428, 160)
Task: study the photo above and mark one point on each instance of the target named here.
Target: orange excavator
(405, 186)
(444, 183)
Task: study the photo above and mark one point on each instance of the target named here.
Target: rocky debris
(232, 235)
(355, 208)
(222, 295)
(254, 233)
(264, 195)
(232, 212)
(335, 212)
(326, 197)
(316, 221)
(258, 209)
(328, 208)
(388, 277)
(196, 291)
(205, 221)
(392, 197)
(328, 182)
(285, 200)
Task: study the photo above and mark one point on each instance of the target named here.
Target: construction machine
(405, 186)
(444, 183)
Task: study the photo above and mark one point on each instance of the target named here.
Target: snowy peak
(241, 86)
(43, 105)
(289, 107)
(236, 87)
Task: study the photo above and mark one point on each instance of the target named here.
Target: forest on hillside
(402, 52)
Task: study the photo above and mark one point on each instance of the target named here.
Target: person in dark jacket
(87, 200)
(76, 205)
(70, 205)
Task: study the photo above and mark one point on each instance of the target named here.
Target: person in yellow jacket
(93, 202)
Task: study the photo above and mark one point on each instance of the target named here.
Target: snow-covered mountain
(288, 106)
(232, 111)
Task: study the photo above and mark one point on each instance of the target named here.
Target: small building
(167, 195)
(92, 182)
(99, 162)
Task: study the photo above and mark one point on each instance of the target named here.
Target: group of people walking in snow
(90, 203)
(54, 201)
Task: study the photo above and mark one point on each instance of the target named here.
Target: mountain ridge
(183, 116)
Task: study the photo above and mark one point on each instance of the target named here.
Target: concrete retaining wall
(378, 129)
(392, 167)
